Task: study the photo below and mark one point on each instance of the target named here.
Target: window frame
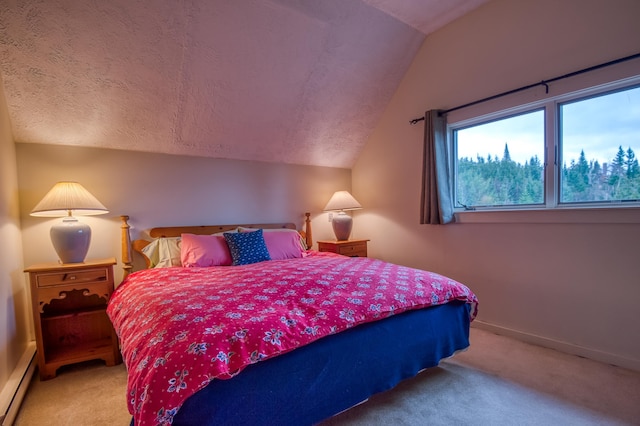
(552, 162)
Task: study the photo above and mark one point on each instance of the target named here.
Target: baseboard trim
(13, 393)
(594, 354)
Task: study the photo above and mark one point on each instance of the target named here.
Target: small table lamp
(70, 238)
(340, 202)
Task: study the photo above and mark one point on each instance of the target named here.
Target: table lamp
(340, 202)
(70, 238)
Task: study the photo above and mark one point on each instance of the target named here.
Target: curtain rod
(544, 83)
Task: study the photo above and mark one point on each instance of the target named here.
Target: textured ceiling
(293, 81)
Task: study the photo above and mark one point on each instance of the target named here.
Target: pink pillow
(204, 250)
(283, 245)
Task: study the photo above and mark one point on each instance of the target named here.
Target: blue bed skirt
(319, 380)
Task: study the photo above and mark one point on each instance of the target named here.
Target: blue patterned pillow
(246, 248)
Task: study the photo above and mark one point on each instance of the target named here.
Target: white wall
(166, 190)
(14, 311)
(569, 281)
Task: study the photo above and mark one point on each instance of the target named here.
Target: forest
(495, 182)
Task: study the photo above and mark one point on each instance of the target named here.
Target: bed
(242, 324)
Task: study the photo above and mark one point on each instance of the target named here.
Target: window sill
(625, 215)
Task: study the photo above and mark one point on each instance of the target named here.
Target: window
(571, 151)
(500, 163)
(599, 138)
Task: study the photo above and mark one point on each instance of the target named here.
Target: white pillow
(163, 252)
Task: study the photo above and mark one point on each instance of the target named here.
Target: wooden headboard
(128, 246)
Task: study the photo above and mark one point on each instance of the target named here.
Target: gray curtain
(436, 206)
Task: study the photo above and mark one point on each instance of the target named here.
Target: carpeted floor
(498, 381)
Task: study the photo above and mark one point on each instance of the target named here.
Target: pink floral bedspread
(180, 328)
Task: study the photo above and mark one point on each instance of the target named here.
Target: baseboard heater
(14, 391)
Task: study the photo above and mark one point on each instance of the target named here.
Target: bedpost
(126, 246)
(307, 230)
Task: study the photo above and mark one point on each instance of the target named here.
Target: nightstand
(352, 248)
(69, 303)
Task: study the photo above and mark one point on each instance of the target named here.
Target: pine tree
(597, 181)
(617, 169)
(631, 165)
(576, 185)
(506, 156)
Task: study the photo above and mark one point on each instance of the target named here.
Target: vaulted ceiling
(293, 81)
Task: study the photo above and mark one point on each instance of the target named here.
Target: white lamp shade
(341, 201)
(65, 197)
(69, 237)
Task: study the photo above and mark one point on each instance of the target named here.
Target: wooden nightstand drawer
(356, 249)
(352, 248)
(72, 277)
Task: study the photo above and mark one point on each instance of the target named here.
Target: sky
(596, 125)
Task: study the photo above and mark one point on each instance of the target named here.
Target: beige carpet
(81, 395)
(498, 381)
